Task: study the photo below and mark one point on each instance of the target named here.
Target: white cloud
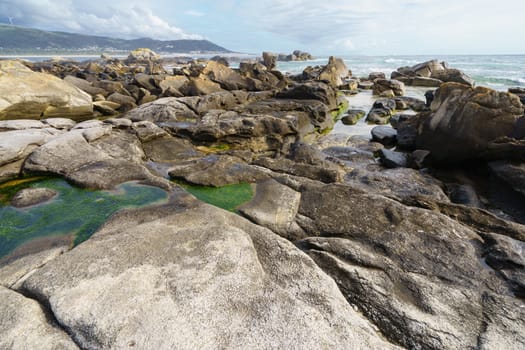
(194, 13)
(372, 26)
(127, 19)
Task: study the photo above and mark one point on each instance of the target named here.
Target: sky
(361, 27)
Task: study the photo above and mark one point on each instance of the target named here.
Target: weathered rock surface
(432, 74)
(25, 325)
(469, 119)
(202, 275)
(417, 274)
(32, 196)
(25, 94)
(275, 207)
(388, 88)
(215, 170)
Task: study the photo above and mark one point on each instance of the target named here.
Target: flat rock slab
(195, 276)
(24, 325)
(17, 144)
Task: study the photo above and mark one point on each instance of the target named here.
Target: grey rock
(385, 135)
(275, 207)
(25, 325)
(32, 196)
(383, 85)
(393, 159)
(215, 170)
(400, 184)
(392, 262)
(511, 173)
(17, 144)
(203, 274)
(21, 124)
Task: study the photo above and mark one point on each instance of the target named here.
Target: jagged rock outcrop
(431, 74)
(470, 120)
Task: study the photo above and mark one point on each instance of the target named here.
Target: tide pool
(75, 212)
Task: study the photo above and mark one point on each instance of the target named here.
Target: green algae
(228, 197)
(74, 211)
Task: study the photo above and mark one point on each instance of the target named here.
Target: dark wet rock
(420, 159)
(393, 265)
(363, 143)
(352, 116)
(385, 103)
(453, 75)
(25, 325)
(312, 91)
(398, 183)
(301, 152)
(379, 115)
(376, 75)
(413, 103)
(243, 272)
(407, 132)
(399, 118)
(463, 194)
(32, 196)
(505, 255)
(275, 207)
(393, 159)
(469, 119)
(217, 170)
(431, 73)
(388, 87)
(511, 173)
(385, 135)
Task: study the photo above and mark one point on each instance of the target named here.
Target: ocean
(498, 72)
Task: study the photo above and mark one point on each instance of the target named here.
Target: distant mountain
(15, 39)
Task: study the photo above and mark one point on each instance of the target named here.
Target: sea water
(498, 72)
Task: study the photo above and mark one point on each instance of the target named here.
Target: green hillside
(14, 39)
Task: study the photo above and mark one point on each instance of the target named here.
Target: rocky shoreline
(411, 239)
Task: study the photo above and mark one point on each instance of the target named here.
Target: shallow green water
(227, 197)
(74, 211)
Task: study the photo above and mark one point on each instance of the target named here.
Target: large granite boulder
(142, 55)
(189, 275)
(25, 94)
(334, 72)
(225, 76)
(469, 119)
